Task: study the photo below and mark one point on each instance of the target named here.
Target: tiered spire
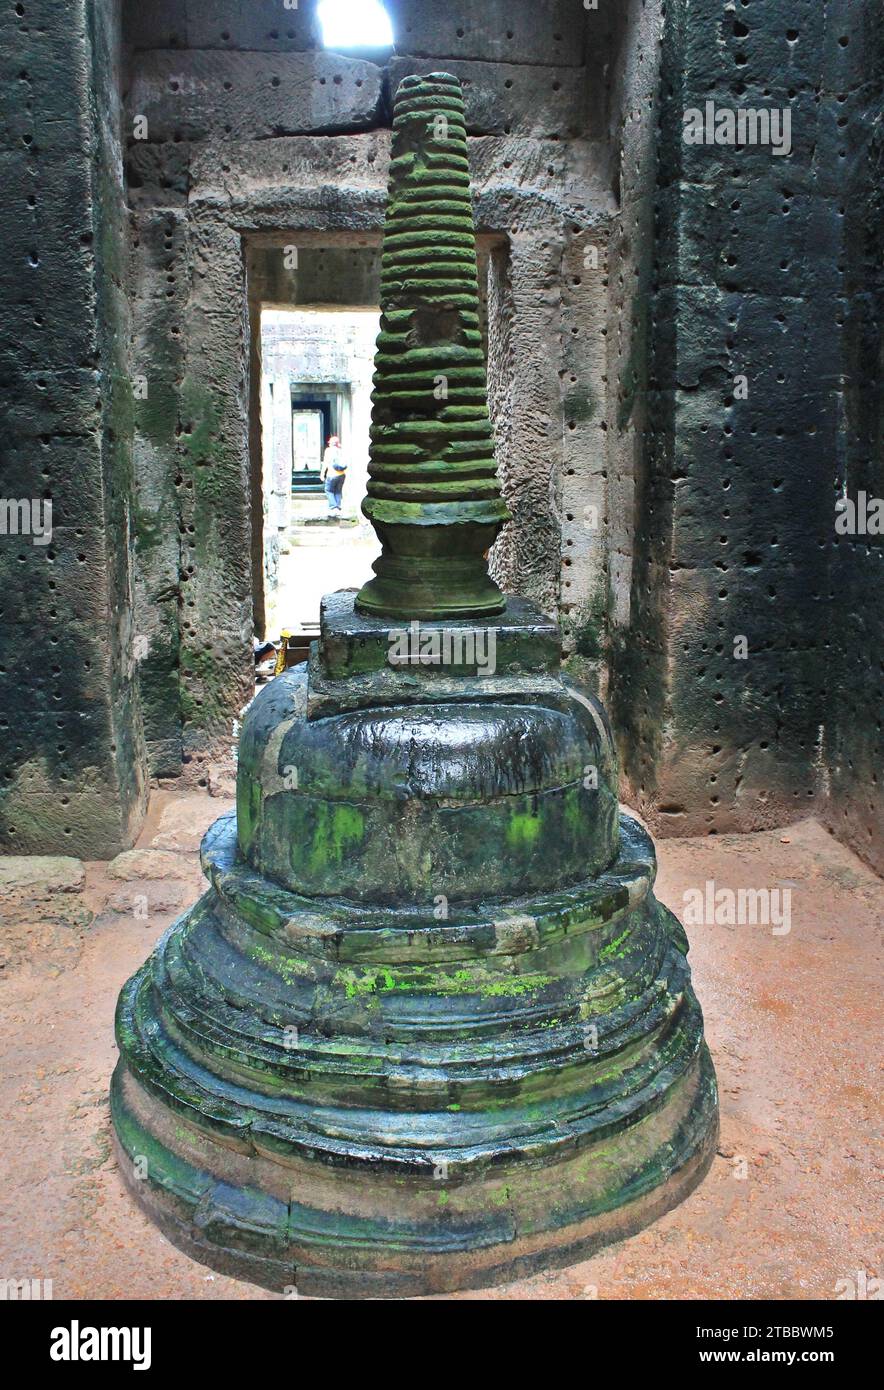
(433, 495)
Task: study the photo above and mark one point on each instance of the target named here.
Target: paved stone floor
(320, 558)
(789, 1209)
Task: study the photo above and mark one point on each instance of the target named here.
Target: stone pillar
(281, 464)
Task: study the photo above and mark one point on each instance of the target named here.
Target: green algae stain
(248, 811)
(612, 948)
(521, 984)
(289, 969)
(574, 812)
(423, 980)
(368, 983)
(523, 829)
(336, 831)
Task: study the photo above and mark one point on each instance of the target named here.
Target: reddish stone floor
(789, 1209)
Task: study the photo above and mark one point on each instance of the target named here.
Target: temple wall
(723, 655)
(852, 754)
(73, 763)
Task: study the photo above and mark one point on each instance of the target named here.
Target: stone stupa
(428, 1028)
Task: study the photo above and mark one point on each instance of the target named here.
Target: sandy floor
(794, 1022)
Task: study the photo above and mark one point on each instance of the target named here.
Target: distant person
(333, 472)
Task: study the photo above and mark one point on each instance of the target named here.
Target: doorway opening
(313, 321)
(316, 370)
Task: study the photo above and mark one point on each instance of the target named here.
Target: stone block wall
(73, 762)
(852, 755)
(726, 617)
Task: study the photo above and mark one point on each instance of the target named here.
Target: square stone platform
(361, 660)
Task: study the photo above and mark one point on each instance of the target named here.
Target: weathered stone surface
(150, 863)
(183, 823)
(52, 873)
(511, 98)
(433, 496)
(488, 773)
(192, 95)
(227, 24)
(145, 897)
(729, 370)
(73, 751)
(466, 997)
(520, 642)
(544, 31)
(243, 170)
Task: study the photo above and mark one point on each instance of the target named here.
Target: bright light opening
(355, 24)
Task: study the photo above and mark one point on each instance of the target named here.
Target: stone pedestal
(429, 1028)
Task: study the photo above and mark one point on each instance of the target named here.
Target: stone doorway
(313, 319)
(316, 381)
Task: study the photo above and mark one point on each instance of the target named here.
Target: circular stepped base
(306, 1252)
(345, 1101)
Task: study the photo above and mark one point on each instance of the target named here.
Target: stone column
(281, 465)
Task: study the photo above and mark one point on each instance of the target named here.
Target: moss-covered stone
(429, 1026)
(433, 495)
